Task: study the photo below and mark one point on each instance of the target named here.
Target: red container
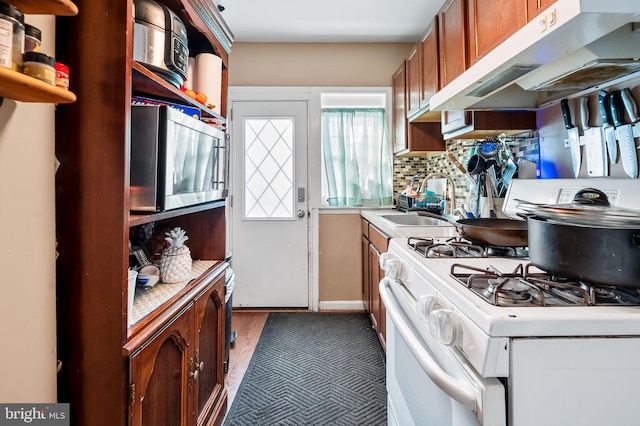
(62, 76)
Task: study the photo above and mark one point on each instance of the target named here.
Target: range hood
(573, 46)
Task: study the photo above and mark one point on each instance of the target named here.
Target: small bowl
(148, 276)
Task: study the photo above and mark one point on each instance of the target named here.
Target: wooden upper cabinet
(399, 113)
(414, 77)
(535, 7)
(411, 138)
(453, 40)
(483, 124)
(429, 60)
(490, 22)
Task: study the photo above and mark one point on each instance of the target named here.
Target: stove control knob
(428, 303)
(393, 267)
(444, 326)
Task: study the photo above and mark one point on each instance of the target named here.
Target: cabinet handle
(199, 364)
(194, 374)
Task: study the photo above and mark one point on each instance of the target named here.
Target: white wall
(27, 246)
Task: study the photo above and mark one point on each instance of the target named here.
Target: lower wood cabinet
(374, 243)
(176, 375)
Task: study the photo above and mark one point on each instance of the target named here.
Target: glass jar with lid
(32, 38)
(40, 66)
(11, 36)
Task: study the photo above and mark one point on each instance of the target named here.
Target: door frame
(275, 94)
(312, 95)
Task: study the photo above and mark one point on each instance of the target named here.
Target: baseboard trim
(341, 305)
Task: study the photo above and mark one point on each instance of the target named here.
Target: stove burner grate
(456, 247)
(525, 287)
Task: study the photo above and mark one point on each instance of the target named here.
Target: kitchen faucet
(450, 186)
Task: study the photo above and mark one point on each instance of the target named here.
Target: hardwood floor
(248, 325)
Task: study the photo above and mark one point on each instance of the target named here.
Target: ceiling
(328, 20)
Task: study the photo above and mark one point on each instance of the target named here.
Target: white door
(269, 220)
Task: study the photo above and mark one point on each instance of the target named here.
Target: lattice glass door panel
(269, 168)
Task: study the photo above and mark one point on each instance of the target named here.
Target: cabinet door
(453, 40)
(429, 63)
(379, 244)
(398, 87)
(366, 283)
(454, 120)
(535, 7)
(209, 396)
(161, 382)
(414, 76)
(374, 279)
(490, 22)
(378, 311)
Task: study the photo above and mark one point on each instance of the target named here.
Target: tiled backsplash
(524, 147)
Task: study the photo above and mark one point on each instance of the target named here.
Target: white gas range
(495, 341)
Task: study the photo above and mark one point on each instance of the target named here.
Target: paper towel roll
(208, 78)
(191, 74)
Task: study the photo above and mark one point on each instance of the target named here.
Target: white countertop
(374, 216)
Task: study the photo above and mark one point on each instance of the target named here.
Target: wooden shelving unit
(148, 83)
(141, 218)
(46, 7)
(21, 87)
(108, 372)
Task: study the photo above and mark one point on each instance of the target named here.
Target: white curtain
(357, 157)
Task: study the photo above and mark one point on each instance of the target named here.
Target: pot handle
(436, 216)
(591, 196)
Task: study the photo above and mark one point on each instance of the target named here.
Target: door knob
(301, 213)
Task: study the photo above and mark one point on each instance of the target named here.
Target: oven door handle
(456, 389)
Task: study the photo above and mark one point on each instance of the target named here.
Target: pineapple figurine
(175, 261)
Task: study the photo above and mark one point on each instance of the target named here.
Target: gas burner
(610, 295)
(455, 249)
(507, 291)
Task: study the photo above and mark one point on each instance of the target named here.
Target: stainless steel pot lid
(590, 207)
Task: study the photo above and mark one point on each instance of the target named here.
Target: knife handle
(604, 110)
(584, 112)
(629, 105)
(566, 114)
(615, 106)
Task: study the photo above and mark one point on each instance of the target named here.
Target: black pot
(599, 255)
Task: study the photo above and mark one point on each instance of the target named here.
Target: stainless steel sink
(413, 220)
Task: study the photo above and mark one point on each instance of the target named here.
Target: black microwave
(176, 160)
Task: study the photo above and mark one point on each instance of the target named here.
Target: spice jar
(62, 76)
(11, 36)
(40, 66)
(32, 38)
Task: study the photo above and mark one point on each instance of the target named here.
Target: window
(357, 157)
(268, 163)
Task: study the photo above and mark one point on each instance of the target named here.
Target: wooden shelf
(141, 219)
(148, 83)
(21, 87)
(46, 7)
(154, 302)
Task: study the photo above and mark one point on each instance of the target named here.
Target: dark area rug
(313, 369)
